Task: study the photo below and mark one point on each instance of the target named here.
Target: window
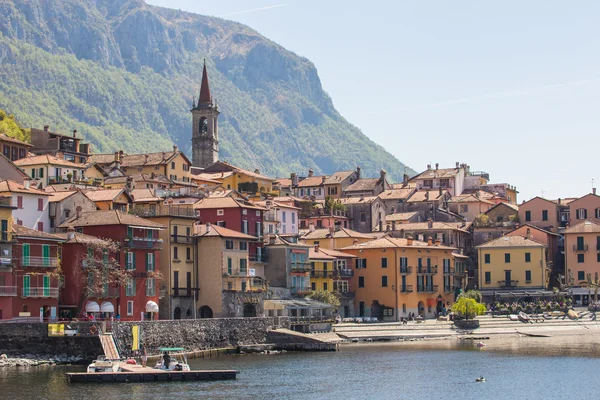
(293, 217)
(283, 217)
(597, 213)
(229, 244)
(527, 215)
(384, 262)
(258, 213)
(403, 261)
(130, 288)
(581, 258)
(229, 265)
(244, 212)
(220, 212)
(361, 263)
(361, 281)
(150, 262)
(580, 243)
(488, 277)
(130, 308)
(243, 245)
(507, 258)
(173, 165)
(598, 259)
(150, 287)
(130, 261)
(52, 222)
(313, 286)
(384, 282)
(221, 224)
(428, 183)
(40, 226)
(527, 276)
(527, 257)
(544, 215)
(325, 286)
(243, 266)
(363, 217)
(581, 275)
(464, 208)
(582, 213)
(105, 256)
(175, 253)
(245, 226)
(188, 254)
(19, 201)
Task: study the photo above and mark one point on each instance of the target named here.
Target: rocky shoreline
(34, 360)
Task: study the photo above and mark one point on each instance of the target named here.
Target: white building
(32, 205)
(281, 219)
(48, 170)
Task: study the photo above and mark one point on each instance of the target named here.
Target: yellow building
(512, 264)
(394, 277)
(171, 164)
(6, 230)
(178, 260)
(322, 270)
(228, 286)
(330, 238)
(110, 199)
(232, 177)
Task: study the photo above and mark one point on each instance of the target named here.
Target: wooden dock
(138, 373)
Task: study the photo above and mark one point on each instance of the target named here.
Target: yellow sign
(56, 329)
(135, 332)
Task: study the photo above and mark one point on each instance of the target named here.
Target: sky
(511, 88)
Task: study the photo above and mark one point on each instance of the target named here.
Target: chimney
(175, 148)
(78, 211)
(152, 175)
(387, 227)
(358, 172)
(429, 224)
(311, 173)
(409, 240)
(382, 175)
(405, 179)
(477, 194)
(70, 233)
(428, 167)
(74, 133)
(393, 225)
(129, 186)
(426, 195)
(46, 127)
(257, 171)
(207, 227)
(164, 155)
(27, 183)
(294, 179)
(438, 242)
(528, 234)
(594, 190)
(457, 165)
(272, 240)
(121, 155)
(437, 165)
(559, 201)
(429, 241)
(401, 232)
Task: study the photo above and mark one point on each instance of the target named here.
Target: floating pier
(138, 373)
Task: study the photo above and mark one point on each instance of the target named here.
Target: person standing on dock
(144, 356)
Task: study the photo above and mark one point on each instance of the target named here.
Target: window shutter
(133, 260)
(364, 263)
(147, 262)
(356, 263)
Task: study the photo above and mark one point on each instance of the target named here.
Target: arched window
(203, 125)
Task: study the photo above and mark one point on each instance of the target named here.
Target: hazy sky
(509, 87)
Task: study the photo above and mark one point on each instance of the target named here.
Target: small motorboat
(173, 359)
(103, 364)
(524, 317)
(480, 379)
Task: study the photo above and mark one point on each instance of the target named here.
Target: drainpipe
(169, 301)
(396, 282)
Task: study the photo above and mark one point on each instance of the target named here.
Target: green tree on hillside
(10, 127)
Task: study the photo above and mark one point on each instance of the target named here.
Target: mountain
(124, 74)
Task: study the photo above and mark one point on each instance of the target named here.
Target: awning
(583, 291)
(151, 306)
(92, 306)
(107, 307)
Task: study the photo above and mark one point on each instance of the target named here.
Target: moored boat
(172, 359)
(102, 364)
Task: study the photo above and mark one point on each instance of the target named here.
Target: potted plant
(465, 310)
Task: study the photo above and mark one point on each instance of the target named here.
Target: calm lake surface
(515, 368)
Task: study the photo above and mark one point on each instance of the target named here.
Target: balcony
(302, 292)
(182, 239)
(5, 261)
(8, 291)
(100, 293)
(257, 258)
(344, 273)
(448, 271)
(321, 274)
(39, 262)
(406, 289)
(46, 292)
(427, 270)
(270, 216)
(181, 292)
(427, 288)
(508, 284)
(577, 248)
(406, 270)
(244, 284)
(144, 243)
(300, 267)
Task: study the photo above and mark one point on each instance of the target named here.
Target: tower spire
(205, 97)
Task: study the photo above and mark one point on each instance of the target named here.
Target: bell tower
(205, 127)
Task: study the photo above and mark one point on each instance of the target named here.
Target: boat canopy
(171, 349)
(92, 306)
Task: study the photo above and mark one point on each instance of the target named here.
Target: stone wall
(200, 334)
(32, 338)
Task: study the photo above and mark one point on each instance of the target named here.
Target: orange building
(394, 277)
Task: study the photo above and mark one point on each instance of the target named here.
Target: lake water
(515, 368)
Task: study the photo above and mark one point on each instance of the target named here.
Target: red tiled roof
(203, 230)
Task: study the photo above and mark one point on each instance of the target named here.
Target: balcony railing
(406, 289)
(303, 291)
(144, 243)
(344, 273)
(406, 270)
(244, 284)
(49, 292)
(39, 262)
(162, 210)
(182, 239)
(321, 274)
(427, 288)
(257, 257)
(448, 270)
(301, 267)
(580, 248)
(8, 291)
(181, 292)
(427, 270)
(508, 284)
(269, 216)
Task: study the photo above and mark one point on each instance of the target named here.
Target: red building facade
(138, 253)
(29, 285)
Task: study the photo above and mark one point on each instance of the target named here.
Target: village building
(400, 218)
(447, 179)
(244, 181)
(540, 212)
(9, 171)
(469, 206)
(585, 208)
(47, 170)
(312, 186)
(335, 238)
(110, 199)
(336, 184)
(394, 199)
(32, 210)
(582, 259)
(366, 213)
(63, 205)
(70, 148)
(13, 149)
(367, 187)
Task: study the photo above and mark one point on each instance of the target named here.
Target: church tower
(205, 127)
